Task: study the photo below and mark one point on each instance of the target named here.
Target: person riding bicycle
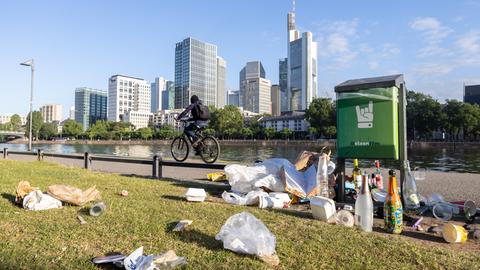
(199, 118)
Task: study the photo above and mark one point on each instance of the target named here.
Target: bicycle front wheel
(179, 149)
(209, 149)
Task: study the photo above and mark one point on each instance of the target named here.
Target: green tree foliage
(424, 115)
(37, 122)
(269, 133)
(286, 133)
(254, 125)
(165, 132)
(16, 122)
(471, 119)
(120, 130)
(321, 115)
(48, 131)
(453, 117)
(227, 121)
(145, 133)
(99, 130)
(72, 129)
(247, 133)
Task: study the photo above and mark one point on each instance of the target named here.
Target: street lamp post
(30, 64)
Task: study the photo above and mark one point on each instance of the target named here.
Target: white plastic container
(322, 208)
(196, 195)
(274, 200)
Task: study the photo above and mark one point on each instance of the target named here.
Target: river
(444, 158)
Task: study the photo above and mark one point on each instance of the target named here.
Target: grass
(54, 239)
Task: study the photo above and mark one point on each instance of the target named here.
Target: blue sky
(436, 44)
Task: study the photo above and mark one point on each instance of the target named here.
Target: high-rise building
(71, 113)
(221, 77)
(276, 100)
(301, 67)
(127, 94)
(282, 83)
(168, 96)
(157, 89)
(253, 69)
(139, 119)
(233, 98)
(51, 113)
(195, 72)
(471, 94)
(90, 106)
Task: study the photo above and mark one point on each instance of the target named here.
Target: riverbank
(53, 239)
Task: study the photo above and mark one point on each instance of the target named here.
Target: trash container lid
(366, 83)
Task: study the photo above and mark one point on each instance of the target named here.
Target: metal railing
(156, 161)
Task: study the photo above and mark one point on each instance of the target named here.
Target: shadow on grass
(415, 235)
(9, 197)
(201, 239)
(174, 198)
(294, 213)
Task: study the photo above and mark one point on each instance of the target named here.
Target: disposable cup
(454, 233)
(442, 211)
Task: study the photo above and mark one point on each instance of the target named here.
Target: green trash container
(367, 118)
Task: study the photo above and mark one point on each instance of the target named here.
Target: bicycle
(208, 146)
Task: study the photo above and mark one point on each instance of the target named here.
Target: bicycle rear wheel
(209, 149)
(179, 149)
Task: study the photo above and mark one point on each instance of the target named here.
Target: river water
(448, 158)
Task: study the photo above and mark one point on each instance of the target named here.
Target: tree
(269, 133)
(145, 133)
(72, 128)
(254, 125)
(165, 132)
(453, 117)
(37, 122)
(424, 115)
(247, 132)
(99, 130)
(226, 121)
(286, 133)
(48, 131)
(16, 122)
(471, 118)
(120, 130)
(321, 115)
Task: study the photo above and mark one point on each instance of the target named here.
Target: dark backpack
(201, 112)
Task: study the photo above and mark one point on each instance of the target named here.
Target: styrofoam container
(196, 195)
(322, 208)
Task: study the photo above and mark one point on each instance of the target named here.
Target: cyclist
(199, 119)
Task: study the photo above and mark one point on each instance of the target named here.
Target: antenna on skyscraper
(293, 6)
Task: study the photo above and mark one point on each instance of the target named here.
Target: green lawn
(54, 239)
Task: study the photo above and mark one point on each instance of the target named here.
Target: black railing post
(5, 153)
(86, 160)
(39, 154)
(160, 167)
(155, 167)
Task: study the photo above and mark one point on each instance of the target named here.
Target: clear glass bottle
(364, 207)
(378, 175)
(410, 195)
(322, 176)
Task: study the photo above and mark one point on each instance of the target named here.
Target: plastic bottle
(322, 176)
(378, 175)
(373, 183)
(356, 174)
(364, 207)
(392, 209)
(412, 201)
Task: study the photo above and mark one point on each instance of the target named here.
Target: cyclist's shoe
(197, 152)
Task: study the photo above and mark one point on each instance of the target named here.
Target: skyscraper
(301, 67)
(127, 94)
(253, 69)
(71, 113)
(168, 96)
(51, 113)
(282, 83)
(157, 88)
(254, 88)
(276, 100)
(195, 72)
(90, 106)
(471, 94)
(221, 76)
(233, 98)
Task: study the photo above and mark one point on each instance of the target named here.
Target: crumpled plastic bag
(244, 233)
(251, 198)
(300, 184)
(23, 188)
(36, 200)
(217, 176)
(137, 261)
(305, 160)
(73, 195)
(263, 175)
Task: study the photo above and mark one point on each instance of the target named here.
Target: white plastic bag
(244, 233)
(36, 200)
(251, 198)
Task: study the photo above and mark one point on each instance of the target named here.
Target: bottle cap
(392, 172)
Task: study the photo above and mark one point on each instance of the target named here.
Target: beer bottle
(392, 209)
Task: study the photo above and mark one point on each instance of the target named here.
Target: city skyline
(351, 44)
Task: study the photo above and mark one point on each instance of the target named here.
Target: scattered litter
(322, 176)
(300, 184)
(244, 233)
(322, 208)
(469, 210)
(217, 176)
(97, 209)
(181, 225)
(348, 207)
(251, 198)
(82, 221)
(196, 195)
(305, 159)
(124, 193)
(23, 188)
(345, 218)
(379, 195)
(442, 211)
(435, 229)
(109, 259)
(137, 261)
(73, 195)
(36, 200)
(274, 200)
(454, 233)
(417, 223)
